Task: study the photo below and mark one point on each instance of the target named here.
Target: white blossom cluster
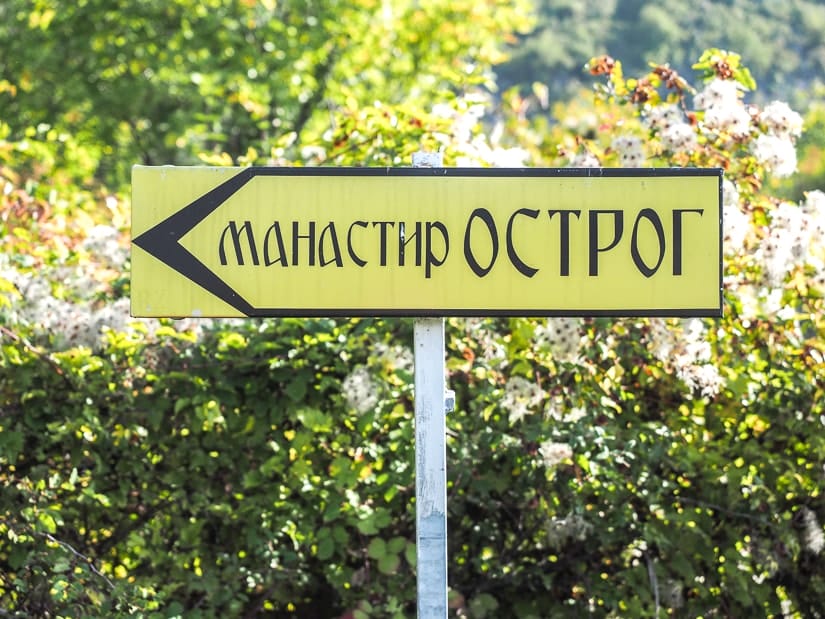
(397, 357)
(584, 160)
(561, 336)
(629, 149)
(781, 120)
(814, 209)
(557, 410)
(74, 320)
(776, 153)
(761, 302)
(723, 114)
(103, 242)
(553, 453)
(663, 116)
(521, 397)
(687, 351)
(675, 133)
(723, 108)
(787, 242)
(793, 238)
(572, 527)
(679, 138)
(463, 121)
(812, 538)
(477, 149)
(492, 348)
(775, 148)
(360, 390)
(702, 378)
(737, 223)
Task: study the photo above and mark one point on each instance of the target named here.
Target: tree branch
(87, 560)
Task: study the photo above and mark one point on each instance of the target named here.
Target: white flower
(630, 151)
(575, 414)
(313, 152)
(737, 225)
(679, 137)
(814, 208)
(103, 242)
(704, 378)
(781, 120)
(553, 453)
(777, 153)
(817, 281)
(688, 352)
(786, 243)
(570, 527)
(359, 390)
(815, 203)
(732, 118)
(465, 117)
(507, 157)
(717, 92)
(562, 336)
(397, 357)
(793, 220)
(520, 396)
(584, 160)
(812, 537)
(664, 116)
(661, 339)
(730, 193)
(723, 107)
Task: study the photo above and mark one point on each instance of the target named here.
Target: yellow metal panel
(291, 241)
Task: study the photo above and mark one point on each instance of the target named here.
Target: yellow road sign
(425, 242)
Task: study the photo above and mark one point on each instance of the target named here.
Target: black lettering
(677, 236)
(431, 258)
(404, 240)
(594, 249)
(653, 217)
(564, 238)
(235, 234)
(484, 215)
(310, 237)
(336, 249)
(279, 240)
(382, 260)
(517, 262)
(355, 257)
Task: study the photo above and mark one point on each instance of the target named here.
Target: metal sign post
(431, 404)
(430, 469)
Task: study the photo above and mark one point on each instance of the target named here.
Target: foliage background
(264, 467)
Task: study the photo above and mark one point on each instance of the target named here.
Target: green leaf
(410, 553)
(11, 444)
(48, 522)
(377, 548)
(388, 564)
(326, 548)
(366, 526)
(314, 420)
(296, 388)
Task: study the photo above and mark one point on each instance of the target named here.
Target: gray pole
(431, 401)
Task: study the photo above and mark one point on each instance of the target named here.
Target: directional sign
(426, 242)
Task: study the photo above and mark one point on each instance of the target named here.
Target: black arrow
(163, 241)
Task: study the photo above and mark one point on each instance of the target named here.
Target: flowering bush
(619, 468)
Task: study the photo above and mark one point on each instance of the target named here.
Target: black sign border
(162, 241)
